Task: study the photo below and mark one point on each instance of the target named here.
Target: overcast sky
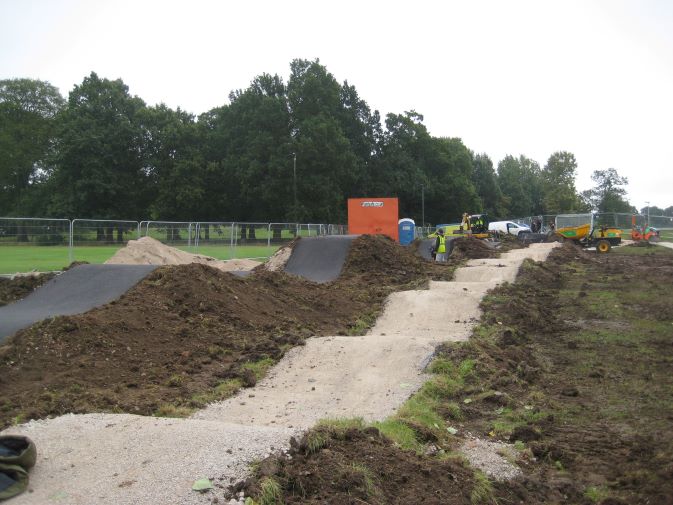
(508, 77)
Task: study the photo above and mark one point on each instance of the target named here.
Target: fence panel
(28, 244)
(174, 233)
(97, 239)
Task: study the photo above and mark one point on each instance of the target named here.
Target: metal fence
(615, 219)
(95, 240)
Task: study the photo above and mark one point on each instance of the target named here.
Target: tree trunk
(109, 235)
(99, 234)
(243, 230)
(277, 234)
(120, 235)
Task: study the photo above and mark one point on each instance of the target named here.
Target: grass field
(47, 258)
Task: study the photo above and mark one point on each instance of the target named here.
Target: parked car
(509, 227)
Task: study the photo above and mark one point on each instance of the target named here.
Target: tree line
(276, 151)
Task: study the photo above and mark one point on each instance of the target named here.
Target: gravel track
(124, 459)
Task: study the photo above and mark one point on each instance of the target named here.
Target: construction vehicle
(587, 234)
(645, 232)
(475, 226)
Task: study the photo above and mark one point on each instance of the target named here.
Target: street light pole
(422, 205)
(294, 178)
(648, 213)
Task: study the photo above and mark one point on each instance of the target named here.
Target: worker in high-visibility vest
(440, 246)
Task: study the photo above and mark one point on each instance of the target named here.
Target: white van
(509, 227)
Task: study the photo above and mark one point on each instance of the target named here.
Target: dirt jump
(73, 292)
(141, 459)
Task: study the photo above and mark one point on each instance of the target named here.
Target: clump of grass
(175, 381)
(363, 474)
(270, 492)
(400, 433)
(482, 490)
(214, 351)
(259, 368)
(596, 494)
(169, 410)
(316, 440)
(223, 390)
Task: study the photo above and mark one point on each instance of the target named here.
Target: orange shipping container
(373, 216)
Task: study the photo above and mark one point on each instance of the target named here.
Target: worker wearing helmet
(440, 246)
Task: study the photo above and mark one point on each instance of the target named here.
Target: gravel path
(125, 459)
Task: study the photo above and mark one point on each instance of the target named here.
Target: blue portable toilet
(407, 229)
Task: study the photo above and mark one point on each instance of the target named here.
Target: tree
(558, 184)
(173, 164)
(518, 179)
(328, 166)
(27, 118)
(99, 167)
(608, 193)
(412, 158)
(485, 181)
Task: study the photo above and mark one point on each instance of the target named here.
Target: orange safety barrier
(373, 216)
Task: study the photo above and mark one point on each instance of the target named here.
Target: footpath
(127, 459)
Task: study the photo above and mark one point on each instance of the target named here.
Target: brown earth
(187, 335)
(20, 286)
(573, 363)
(355, 466)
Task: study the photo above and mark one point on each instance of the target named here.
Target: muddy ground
(20, 286)
(189, 335)
(572, 365)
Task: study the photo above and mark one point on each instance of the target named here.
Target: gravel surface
(125, 459)
(491, 457)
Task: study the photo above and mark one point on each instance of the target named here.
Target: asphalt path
(319, 259)
(73, 292)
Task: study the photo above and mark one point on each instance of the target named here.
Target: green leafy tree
(328, 166)
(485, 181)
(558, 184)
(28, 109)
(247, 146)
(412, 158)
(99, 167)
(173, 164)
(608, 194)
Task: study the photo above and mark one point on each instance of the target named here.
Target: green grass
(20, 258)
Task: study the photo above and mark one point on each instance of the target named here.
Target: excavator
(475, 225)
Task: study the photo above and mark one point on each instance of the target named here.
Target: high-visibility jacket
(441, 248)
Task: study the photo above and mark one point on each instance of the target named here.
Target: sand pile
(148, 251)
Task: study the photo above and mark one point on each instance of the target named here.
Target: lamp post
(422, 205)
(294, 182)
(648, 213)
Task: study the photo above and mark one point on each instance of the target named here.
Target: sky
(593, 77)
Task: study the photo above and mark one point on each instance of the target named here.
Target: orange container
(373, 216)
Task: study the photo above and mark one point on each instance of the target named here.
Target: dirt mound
(186, 333)
(472, 248)
(20, 286)
(148, 251)
(361, 466)
(278, 260)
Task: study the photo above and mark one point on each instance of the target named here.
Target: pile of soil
(20, 286)
(473, 248)
(149, 251)
(184, 330)
(361, 466)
